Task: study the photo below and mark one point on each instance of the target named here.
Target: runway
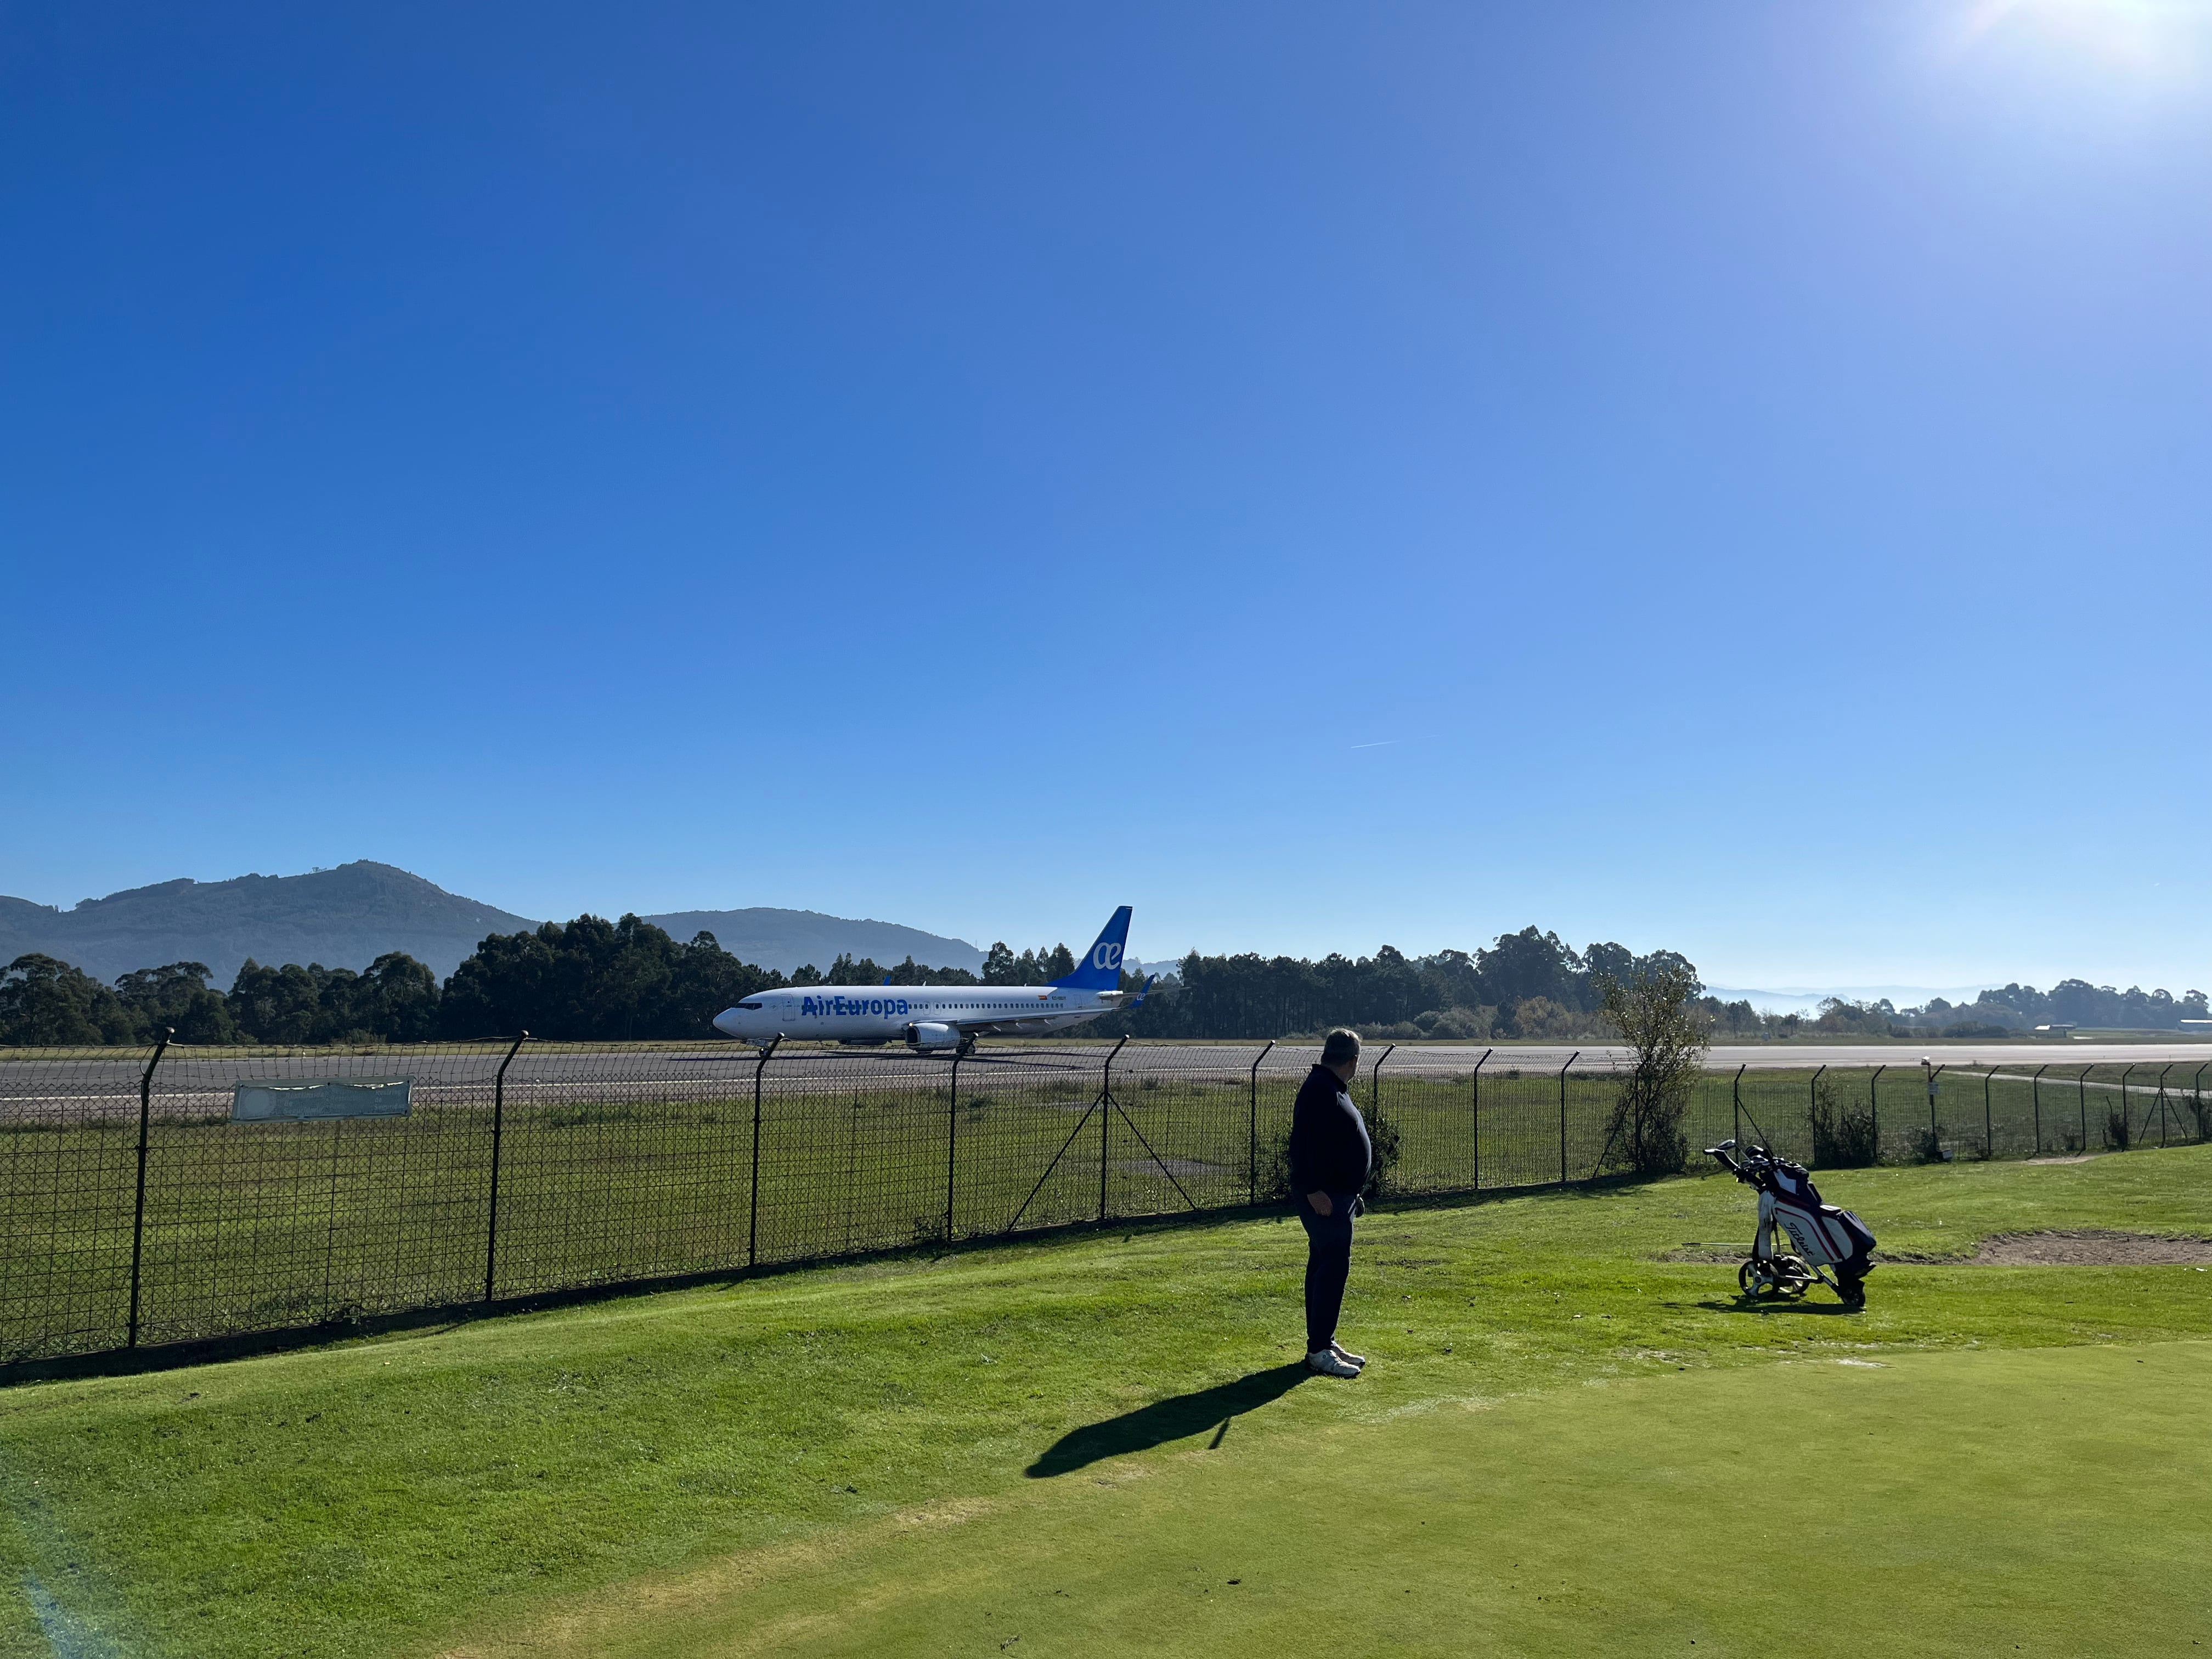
(198, 1083)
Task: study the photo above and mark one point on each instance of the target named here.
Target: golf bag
(1826, 1240)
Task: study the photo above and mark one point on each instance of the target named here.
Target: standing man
(1329, 1159)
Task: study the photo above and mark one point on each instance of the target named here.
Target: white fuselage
(889, 1013)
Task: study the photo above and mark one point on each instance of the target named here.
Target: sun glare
(2153, 40)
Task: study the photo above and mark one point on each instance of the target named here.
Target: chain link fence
(140, 1209)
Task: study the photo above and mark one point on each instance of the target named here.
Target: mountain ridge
(348, 916)
(344, 917)
(784, 939)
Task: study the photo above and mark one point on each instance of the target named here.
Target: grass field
(614, 1175)
(1566, 1444)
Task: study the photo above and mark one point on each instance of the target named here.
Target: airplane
(930, 1018)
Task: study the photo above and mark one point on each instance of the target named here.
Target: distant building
(2062, 1030)
(2202, 1026)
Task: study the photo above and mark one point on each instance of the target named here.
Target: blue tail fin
(1102, 970)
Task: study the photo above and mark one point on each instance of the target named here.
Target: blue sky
(1727, 477)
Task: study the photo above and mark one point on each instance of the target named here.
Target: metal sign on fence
(257, 1101)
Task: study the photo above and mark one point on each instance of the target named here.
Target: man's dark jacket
(1329, 1149)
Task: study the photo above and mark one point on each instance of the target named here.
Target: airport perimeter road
(199, 1083)
(1593, 1056)
(1774, 1056)
(1138, 1059)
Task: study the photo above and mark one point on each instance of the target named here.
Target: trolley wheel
(1756, 1279)
(1793, 1275)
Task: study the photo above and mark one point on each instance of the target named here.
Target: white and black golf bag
(1825, 1239)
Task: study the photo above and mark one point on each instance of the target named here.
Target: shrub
(1383, 1135)
(1843, 1136)
(1656, 1014)
(1977, 1027)
(1447, 1024)
(2117, 1131)
(1541, 1019)
(1275, 1167)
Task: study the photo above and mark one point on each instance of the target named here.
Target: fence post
(2196, 1108)
(1735, 1099)
(951, 1144)
(1935, 1129)
(1812, 1100)
(1252, 1137)
(2162, 1102)
(752, 1202)
(1571, 1059)
(2081, 1099)
(1375, 1082)
(1989, 1134)
(1105, 1121)
(2127, 1124)
(1874, 1107)
(2035, 1095)
(138, 1211)
(498, 1126)
(1478, 1065)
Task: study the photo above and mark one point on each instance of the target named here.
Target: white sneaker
(1347, 1354)
(1330, 1363)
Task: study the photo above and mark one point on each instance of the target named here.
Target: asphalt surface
(201, 1086)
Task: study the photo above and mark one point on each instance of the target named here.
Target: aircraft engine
(926, 1034)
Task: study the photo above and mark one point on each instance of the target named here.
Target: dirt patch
(2068, 1157)
(1719, 1255)
(1184, 1168)
(2091, 1248)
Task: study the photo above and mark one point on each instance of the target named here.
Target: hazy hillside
(342, 918)
(784, 939)
(350, 916)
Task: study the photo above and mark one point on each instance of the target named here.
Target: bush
(1275, 1167)
(1542, 1019)
(1447, 1024)
(1383, 1135)
(1977, 1027)
(1843, 1136)
(1657, 1015)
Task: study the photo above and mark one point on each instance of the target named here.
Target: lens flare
(2155, 39)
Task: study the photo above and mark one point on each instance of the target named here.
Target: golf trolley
(1826, 1238)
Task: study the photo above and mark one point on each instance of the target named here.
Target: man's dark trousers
(1328, 1264)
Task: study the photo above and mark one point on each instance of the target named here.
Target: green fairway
(903, 1452)
(1930, 1503)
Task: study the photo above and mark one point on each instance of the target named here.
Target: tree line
(1529, 984)
(589, 980)
(1994, 1014)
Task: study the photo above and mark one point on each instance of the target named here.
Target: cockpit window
(748, 1004)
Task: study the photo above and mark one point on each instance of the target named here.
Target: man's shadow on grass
(1174, 1418)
